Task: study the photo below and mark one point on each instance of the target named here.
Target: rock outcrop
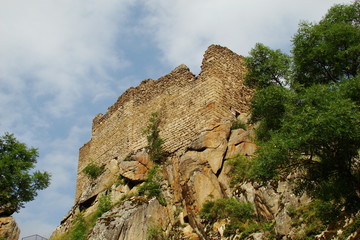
(9, 230)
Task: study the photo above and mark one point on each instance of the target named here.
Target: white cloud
(55, 56)
(48, 48)
(183, 29)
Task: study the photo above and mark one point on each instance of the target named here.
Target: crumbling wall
(187, 105)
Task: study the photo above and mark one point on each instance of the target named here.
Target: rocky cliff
(9, 230)
(196, 116)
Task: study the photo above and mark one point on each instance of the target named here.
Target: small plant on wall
(157, 154)
(93, 171)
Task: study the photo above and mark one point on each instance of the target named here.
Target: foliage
(351, 228)
(79, 229)
(242, 219)
(104, 204)
(93, 171)
(312, 218)
(249, 227)
(82, 226)
(312, 126)
(328, 52)
(120, 181)
(155, 142)
(152, 186)
(238, 124)
(17, 184)
(155, 232)
(268, 107)
(240, 170)
(226, 208)
(267, 67)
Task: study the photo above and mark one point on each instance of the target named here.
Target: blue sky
(62, 62)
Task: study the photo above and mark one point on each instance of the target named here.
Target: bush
(104, 204)
(241, 169)
(157, 154)
(79, 229)
(313, 218)
(226, 208)
(155, 232)
(152, 186)
(93, 171)
(238, 124)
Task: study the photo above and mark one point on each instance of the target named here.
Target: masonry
(187, 105)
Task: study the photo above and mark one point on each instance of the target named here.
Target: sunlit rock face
(9, 230)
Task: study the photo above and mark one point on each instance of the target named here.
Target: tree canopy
(17, 183)
(308, 108)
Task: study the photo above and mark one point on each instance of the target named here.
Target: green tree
(328, 51)
(267, 67)
(17, 184)
(312, 126)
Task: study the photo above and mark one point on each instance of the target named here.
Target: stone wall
(187, 105)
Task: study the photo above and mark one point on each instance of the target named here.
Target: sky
(62, 62)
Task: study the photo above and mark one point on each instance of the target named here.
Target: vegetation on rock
(155, 232)
(241, 218)
(238, 124)
(93, 171)
(82, 226)
(157, 154)
(18, 184)
(152, 186)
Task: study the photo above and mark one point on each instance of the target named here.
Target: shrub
(104, 204)
(155, 232)
(314, 218)
(93, 171)
(157, 154)
(237, 125)
(226, 208)
(152, 186)
(241, 169)
(79, 229)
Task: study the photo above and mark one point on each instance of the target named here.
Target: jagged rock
(219, 226)
(133, 170)
(211, 138)
(131, 220)
(225, 180)
(136, 166)
(9, 230)
(241, 142)
(206, 187)
(256, 236)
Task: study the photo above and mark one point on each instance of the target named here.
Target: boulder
(131, 220)
(206, 187)
(241, 142)
(211, 138)
(136, 166)
(9, 230)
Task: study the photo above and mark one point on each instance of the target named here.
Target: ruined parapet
(187, 105)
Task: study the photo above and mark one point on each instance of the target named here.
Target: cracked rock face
(9, 230)
(130, 220)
